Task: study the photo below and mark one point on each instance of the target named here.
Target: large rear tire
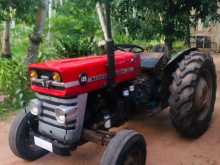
(126, 148)
(21, 140)
(193, 94)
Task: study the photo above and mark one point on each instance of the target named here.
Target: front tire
(193, 94)
(126, 148)
(21, 139)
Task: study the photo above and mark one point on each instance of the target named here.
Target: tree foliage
(17, 9)
(135, 20)
(169, 18)
(75, 28)
(179, 15)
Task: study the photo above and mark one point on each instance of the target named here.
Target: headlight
(33, 74)
(60, 116)
(56, 77)
(35, 107)
(65, 114)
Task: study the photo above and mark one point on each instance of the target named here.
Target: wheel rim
(203, 97)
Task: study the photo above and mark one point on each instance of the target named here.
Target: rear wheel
(21, 139)
(193, 93)
(126, 148)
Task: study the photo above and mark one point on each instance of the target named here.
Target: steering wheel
(129, 48)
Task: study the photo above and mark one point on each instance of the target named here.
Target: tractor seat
(151, 62)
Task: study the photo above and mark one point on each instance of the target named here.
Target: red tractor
(79, 100)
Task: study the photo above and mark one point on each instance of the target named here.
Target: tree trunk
(36, 37)
(169, 35)
(169, 26)
(61, 2)
(6, 45)
(188, 32)
(50, 15)
(187, 40)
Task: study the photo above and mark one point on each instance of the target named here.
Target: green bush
(14, 81)
(75, 29)
(147, 45)
(20, 40)
(13, 72)
(179, 46)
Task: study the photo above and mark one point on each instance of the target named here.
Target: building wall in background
(212, 31)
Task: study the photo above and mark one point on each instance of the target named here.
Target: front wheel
(21, 140)
(126, 148)
(193, 94)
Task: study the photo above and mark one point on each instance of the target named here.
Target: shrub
(75, 29)
(14, 81)
(147, 45)
(20, 40)
(179, 46)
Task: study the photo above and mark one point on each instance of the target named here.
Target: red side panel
(95, 67)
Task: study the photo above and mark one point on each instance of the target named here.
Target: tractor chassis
(99, 137)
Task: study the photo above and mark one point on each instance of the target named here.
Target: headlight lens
(60, 116)
(35, 107)
(33, 74)
(56, 77)
(65, 114)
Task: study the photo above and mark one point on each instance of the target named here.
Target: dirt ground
(165, 146)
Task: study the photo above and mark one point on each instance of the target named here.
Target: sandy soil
(165, 146)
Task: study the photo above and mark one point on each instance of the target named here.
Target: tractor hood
(82, 74)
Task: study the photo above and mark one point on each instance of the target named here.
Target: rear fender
(168, 71)
(173, 62)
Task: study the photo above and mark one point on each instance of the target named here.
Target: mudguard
(167, 74)
(171, 65)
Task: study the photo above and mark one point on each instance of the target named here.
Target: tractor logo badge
(83, 79)
(45, 81)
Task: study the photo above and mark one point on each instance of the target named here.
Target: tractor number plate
(43, 144)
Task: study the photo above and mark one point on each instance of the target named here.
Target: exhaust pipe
(104, 13)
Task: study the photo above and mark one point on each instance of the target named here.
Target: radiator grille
(49, 105)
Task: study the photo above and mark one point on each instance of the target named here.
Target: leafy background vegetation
(72, 29)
